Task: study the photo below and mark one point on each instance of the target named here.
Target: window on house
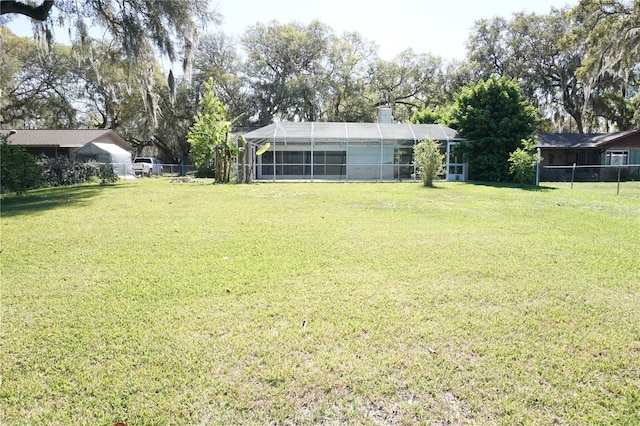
(298, 163)
(616, 158)
(329, 163)
(403, 163)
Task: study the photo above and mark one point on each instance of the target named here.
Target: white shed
(107, 153)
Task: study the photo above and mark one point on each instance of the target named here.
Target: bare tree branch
(39, 13)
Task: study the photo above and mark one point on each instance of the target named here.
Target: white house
(347, 151)
(102, 145)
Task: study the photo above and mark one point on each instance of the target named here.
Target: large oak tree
(172, 26)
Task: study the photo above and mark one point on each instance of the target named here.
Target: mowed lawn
(150, 302)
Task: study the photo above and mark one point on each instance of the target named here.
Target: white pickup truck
(147, 166)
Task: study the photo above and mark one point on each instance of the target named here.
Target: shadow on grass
(49, 198)
(512, 186)
(432, 187)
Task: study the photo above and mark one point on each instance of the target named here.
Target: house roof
(65, 138)
(96, 147)
(290, 132)
(581, 140)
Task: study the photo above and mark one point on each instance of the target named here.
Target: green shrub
(62, 171)
(106, 173)
(429, 160)
(19, 169)
(205, 171)
(522, 163)
(493, 116)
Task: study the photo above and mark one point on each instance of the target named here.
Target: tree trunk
(248, 163)
(217, 166)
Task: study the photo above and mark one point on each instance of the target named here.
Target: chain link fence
(125, 170)
(597, 173)
(594, 173)
(178, 170)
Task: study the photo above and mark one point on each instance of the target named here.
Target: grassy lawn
(150, 302)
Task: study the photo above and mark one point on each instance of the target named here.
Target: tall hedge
(494, 118)
(19, 170)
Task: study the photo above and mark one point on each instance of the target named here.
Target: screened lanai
(347, 151)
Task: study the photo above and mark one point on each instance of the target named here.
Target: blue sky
(439, 27)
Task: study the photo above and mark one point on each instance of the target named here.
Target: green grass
(151, 302)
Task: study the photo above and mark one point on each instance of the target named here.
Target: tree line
(578, 66)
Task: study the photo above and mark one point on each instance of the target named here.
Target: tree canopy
(578, 65)
(494, 118)
(136, 30)
(170, 25)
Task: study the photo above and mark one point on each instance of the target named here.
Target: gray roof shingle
(65, 138)
(579, 140)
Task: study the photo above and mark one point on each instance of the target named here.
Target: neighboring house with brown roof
(562, 150)
(565, 149)
(58, 143)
